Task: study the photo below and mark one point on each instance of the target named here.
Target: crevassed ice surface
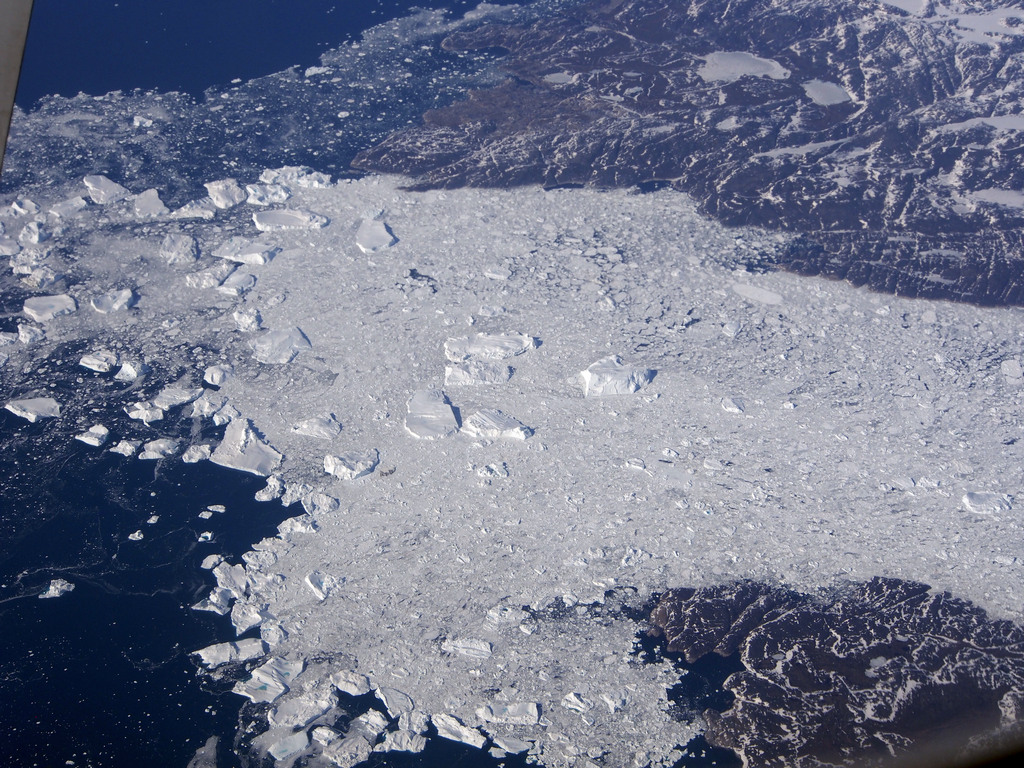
(746, 425)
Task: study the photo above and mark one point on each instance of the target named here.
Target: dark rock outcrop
(882, 667)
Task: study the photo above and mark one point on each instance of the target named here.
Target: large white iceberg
(45, 308)
(242, 449)
(34, 408)
(280, 347)
(610, 377)
(430, 415)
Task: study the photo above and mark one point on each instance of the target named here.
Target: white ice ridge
(462, 573)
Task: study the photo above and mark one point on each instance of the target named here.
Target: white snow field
(730, 424)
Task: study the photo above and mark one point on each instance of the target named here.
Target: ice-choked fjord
(509, 423)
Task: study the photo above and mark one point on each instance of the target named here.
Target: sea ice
(34, 408)
(103, 191)
(237, 284)
(296, 176)
(245, 251)
(114, 301)
(299, 711)
(131, 371)
(30, 334)
(524, 713)
(68, 208)
(451, 728)
(280, 347)
(225, 193)
(177, 248)
(610, 377)
(101, 361)
(96, 436)
(756, 294)
(492, 424)
(468, 647)
(148, 205)
(374, 235)
(57, 588)
(430, 415)
(986, 502)
(145, 412)
(321, 584)
(473, 372)
(126, 447)
(196, 209)
(266, 194)
(227, 653)
(498, 346)
(281, 219)
(45, 308)
(350, 682)
(396, 702)
(173, 396)
(353, 465)
(248, 319)
(270, 680)
(216, 375)
(324, 427)
(403, 741)
(160, 448)
(289, 745)
(242, 449)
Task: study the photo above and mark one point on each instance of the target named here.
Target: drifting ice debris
(402, 741)
(33, 233)
(101, 361)
(179, 249)
(732, 405)
(493, 470)
(986, 503)
(449, 727)
(103, 191)
(211, 561)
(280, 347)
(206, 755)
(126, 447)
(233, 578)
(527, 713)
(34, 408)
(197, 209)
(374, 235)
(577, 703)
(753, 293)
(23, 206)
(242, 449)
(351, 466)
(225, 193)
(172, 396)
(30, 334)
(237, 284)
(489, 346)
(244, 251)
(149, 205)
(492, 424)
(324, 427)
(472, 372)
(296, 176)
(68, 208)
(115, 301)
(610, 377)
(44, 308)
(57, 588)
(396, 702)
(226, 653)
(299, 711)
(131, 371)
(247, 320)
(469, 647)
(289, 745)
(145, 412)
(323, 735)
(95, 436)
(159, 449)
(430, 415)
(282, 219)
(210, 278)
(321, 584)
(215, 375)
(266, 194)
(137, 536)
(271, 680)
(512, 745)
(272, 490)
(352, 683)
(1012, 371)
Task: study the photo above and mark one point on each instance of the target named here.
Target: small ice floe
(272, 490)
(114, 301)
(225, 193)
(469, 647)
(474, 372)
(986, 502)
(196, 453)
(96, 436)
(282, 219)
(289, 745)
(131, 371)
(242, 449)
(351, 682)
(44, 308)
(145, 412)
(351, 466)
(511, 745)
(733, 405)
(238, 283)
(101, 361)
(57, 588)
(610, 377)
(451, 728)
(1012, 371)
(205, 279)
(488, 346)
(244, 251)
(229, 653)
(30, 334)
(266, 194)
(65, 209)
(33, 233)
(247, 320)
(492, 424)
(34, 408)
(216, 375)
(396, 702)
(756, 294)
(577, 703)
(524, 713)
(299, 711)
(173, 396)
(196, 209)
(322, 584)
(148, 205)
(280, 347)
(403, 741)
(104, 191)
(374, 235)
(430, 415)
(126, 447)
(24, 206)
(178, 249)
(324, 427)
(160, 448)
(270, 680)
(136, 536)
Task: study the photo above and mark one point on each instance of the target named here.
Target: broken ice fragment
(67, 208)
(610, 377)
(247, 320)
(225, 193)
(289, 745)
(145, 412)
(272, 490)
(753, 293)
(149, 205)
(301, 710)
(395, 701)
(469, 647)
(986, 503)
(281, 219)
(326, 428)
(321, 584)
(101, 361)
(280, 347)
(216, 375)
(512, 745)
(159, 449)
(30, 334)
(242, 449)
(131, 371)
(233, 578)
(137, 536)
(732, 405)
(126, 447)
(95, 436)
(296, 176)
(496, 346)
(449, 727)
(430, 415)
(34, 408)
(492, 424)
(526, 713)
(172, 396)
(350, 682)
(227, 653)
(577, 703)
(374, 235)
(244, 251)
(57, 588)
(1012, 371)
(23, 206)
(33, 233)
(44, 308)
(237, 284)
(351, 466)
(266, 194)
(115, 301)
(179, 249)
(196, 209)
(103, 191)
(472, 372)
